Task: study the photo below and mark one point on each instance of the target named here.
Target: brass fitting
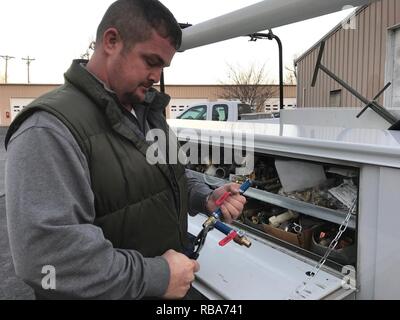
(209, 222)
(243, 241)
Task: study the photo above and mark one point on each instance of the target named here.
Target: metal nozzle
(243, 241)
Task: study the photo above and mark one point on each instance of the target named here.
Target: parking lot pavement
(11, 288)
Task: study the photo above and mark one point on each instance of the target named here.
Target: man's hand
(233, 205)
(182, 270)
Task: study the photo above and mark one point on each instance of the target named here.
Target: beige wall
(205, 92)
(214, 92)
(355, 55)
(22, 91)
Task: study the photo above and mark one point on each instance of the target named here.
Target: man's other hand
(182, 270)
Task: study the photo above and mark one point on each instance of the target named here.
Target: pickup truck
(223, 111)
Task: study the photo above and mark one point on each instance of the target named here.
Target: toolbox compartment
(359, 193)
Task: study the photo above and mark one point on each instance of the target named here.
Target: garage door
(17, 105)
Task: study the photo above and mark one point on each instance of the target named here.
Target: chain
(331, 247)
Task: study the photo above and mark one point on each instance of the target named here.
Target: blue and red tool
(214, 222)
(228, 231)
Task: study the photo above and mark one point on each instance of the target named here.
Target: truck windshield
(194, 113)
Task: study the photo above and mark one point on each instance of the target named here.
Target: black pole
(162, 89)
(162, 80)
(280, 70)
(270, 36)
(162, 83)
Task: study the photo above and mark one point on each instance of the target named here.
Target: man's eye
(151, 63)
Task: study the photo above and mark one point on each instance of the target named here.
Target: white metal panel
(364, 146)
(367, 231)
(264, 15)
(337, 117)
(378, 270)
(261, 272)
(387, 284)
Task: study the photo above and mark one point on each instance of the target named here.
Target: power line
(28, 63)
(6, 57)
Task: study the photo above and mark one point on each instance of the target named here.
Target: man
(81, 196)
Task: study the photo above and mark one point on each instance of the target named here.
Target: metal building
(364, 52)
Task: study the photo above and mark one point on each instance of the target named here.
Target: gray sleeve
(198, 192)
(50, 212)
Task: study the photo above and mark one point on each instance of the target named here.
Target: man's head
(135, 40)
(135, 19)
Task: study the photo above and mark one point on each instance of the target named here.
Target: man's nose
(155, 75)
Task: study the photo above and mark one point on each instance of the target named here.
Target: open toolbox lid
(262, 272)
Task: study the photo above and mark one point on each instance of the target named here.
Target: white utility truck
(223, 111)
(323, 211)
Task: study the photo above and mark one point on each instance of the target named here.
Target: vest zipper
(175, 186)
(177, 204)
(174, 180)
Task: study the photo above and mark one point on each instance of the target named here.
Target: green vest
(138, 206)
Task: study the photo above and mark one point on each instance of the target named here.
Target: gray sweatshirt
(50, 215)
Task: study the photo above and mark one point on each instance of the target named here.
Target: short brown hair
(135, 20)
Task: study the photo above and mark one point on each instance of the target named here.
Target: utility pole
(6, 58)
(28, 63)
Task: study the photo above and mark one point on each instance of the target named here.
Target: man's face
(131, 73)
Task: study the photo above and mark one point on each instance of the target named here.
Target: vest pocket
(150, 226)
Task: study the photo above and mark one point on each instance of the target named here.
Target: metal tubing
(280, 71)
(264, 15)
(271, 36)
(318, 64)
(369, 104)
(375, 98)
(374, 105)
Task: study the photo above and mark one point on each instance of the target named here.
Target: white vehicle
(223, 111)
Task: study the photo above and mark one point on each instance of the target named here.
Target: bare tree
(290, 78)
(89, 51)
(291, 75)
(248, 86)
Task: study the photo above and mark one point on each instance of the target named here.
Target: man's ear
(111, 40)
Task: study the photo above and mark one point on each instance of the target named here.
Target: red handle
(222, 199)
(232, 235)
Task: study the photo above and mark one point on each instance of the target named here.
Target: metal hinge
(349, 278)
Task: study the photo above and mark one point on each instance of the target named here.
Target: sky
(55, 32)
